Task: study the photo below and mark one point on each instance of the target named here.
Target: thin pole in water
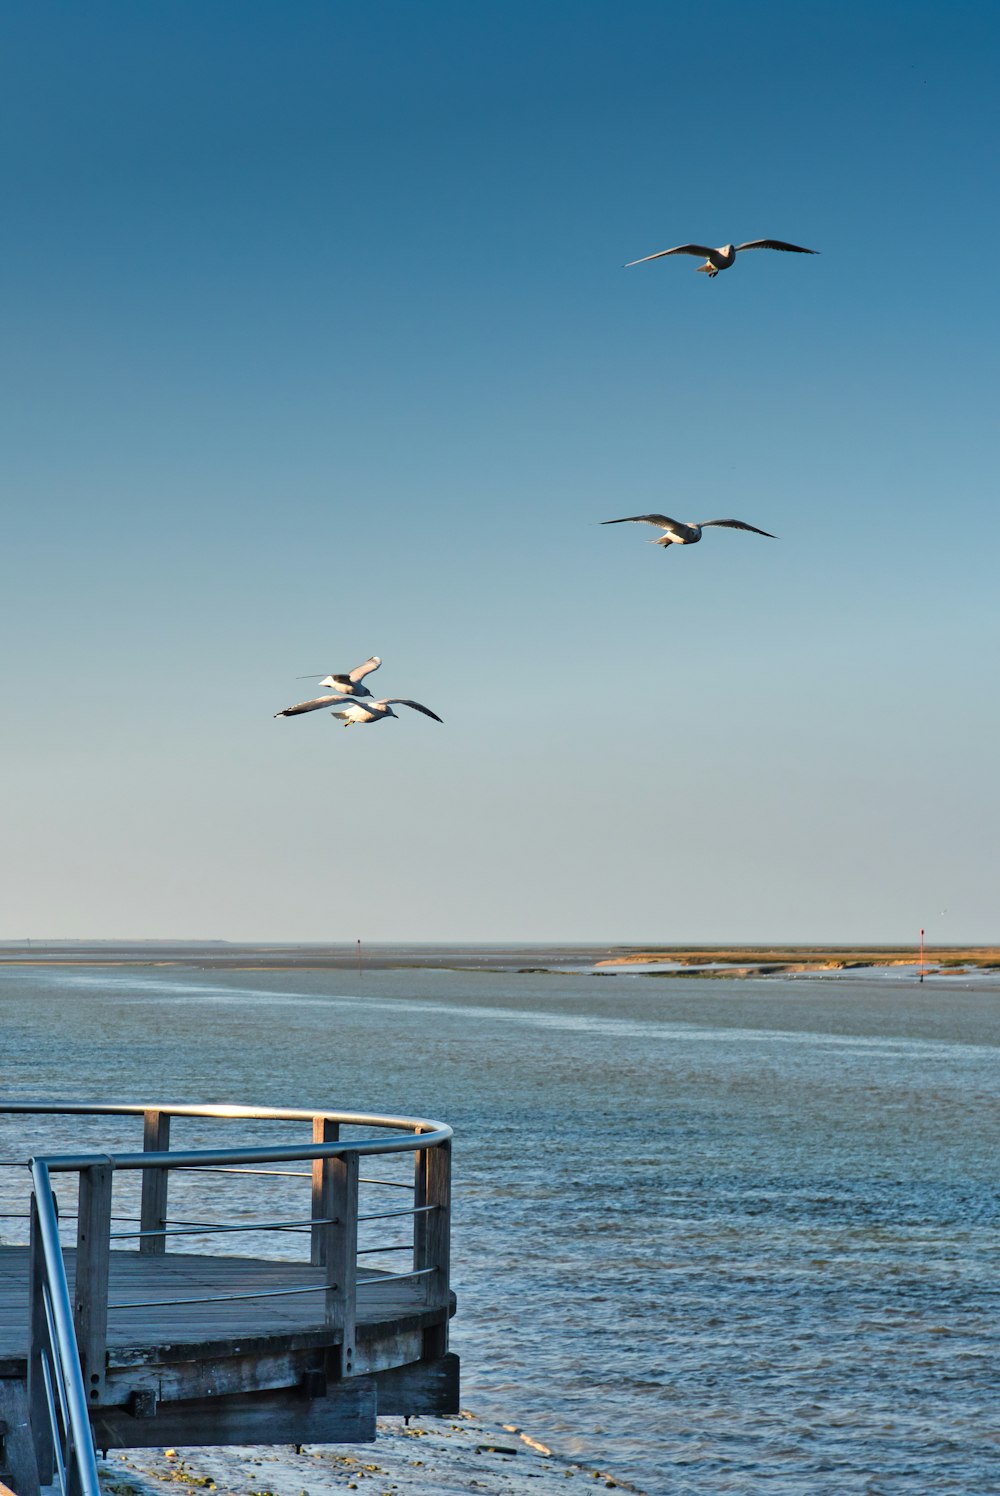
(361, 969)
(921, 954)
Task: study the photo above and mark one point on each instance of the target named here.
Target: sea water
(711, 1235)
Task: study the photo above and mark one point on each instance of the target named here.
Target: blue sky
(317, 343)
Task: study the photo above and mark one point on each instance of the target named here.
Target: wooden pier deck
(145, 1346)
(386, 1312)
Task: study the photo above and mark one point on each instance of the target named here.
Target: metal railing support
(153, 1203)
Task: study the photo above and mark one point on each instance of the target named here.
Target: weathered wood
(18, 1466)
(388, 1350)
(345, 1416)
(432, 1236)
(90, 1295)
(39, 1346)
(340, 1259)
(324, 1131)
(123, 1358)
(212, 1330)
(181, 1381)
(153, 1204)
(423, 1389)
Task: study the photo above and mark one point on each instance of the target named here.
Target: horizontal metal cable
(258, 1173)
(384, 1215)
(397, 1246)
(390, 1184)
(197, 1230)
(225, 1298)
(418, 1272)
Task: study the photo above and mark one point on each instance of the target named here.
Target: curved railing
(69, 1334)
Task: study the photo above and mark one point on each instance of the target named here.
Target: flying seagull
(357, 713)
(721, 259)
(350, 681)
(676, 532)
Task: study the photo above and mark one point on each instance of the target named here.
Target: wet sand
(427, 1457)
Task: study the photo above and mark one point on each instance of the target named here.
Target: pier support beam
(18, 1467)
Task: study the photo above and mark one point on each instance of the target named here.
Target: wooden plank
(324, 1131)
(345, 1416)
(90, 1292)
(153, 1205)
(426, 1389)
(138, 1357)
(181, 1381)
(393, 1349)
(17, 1451)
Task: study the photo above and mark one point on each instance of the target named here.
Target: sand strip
(428, 1457)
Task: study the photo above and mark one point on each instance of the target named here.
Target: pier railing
(68, 1363)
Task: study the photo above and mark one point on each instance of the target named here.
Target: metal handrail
(214, 1229)
(65, 1163)
(64, 1346)
(222, 1298)
(211, 1111)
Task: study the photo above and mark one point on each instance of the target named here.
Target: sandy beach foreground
(427, 1457)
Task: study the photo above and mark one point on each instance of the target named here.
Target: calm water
(724, 1236)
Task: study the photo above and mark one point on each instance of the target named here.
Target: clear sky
(317, 342)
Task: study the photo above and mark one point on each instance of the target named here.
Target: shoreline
(447, 1456)
(702, 962)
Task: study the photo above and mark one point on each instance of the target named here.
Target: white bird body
(725, 256)
(350, 680)
(679, 532)
(357, 713)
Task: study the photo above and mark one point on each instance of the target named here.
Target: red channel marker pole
(921, 955)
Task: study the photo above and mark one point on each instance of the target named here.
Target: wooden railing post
(90, 1296)
(432, 1236)
(324, 1131)
(41, 1428)
(340, 1256)
(153, 1206)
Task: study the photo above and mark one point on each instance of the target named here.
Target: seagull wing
(659, 520)
(737, 524)
(403, 701)
(360, 671)
(702, 250)
(316, 705)
(795, 249)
